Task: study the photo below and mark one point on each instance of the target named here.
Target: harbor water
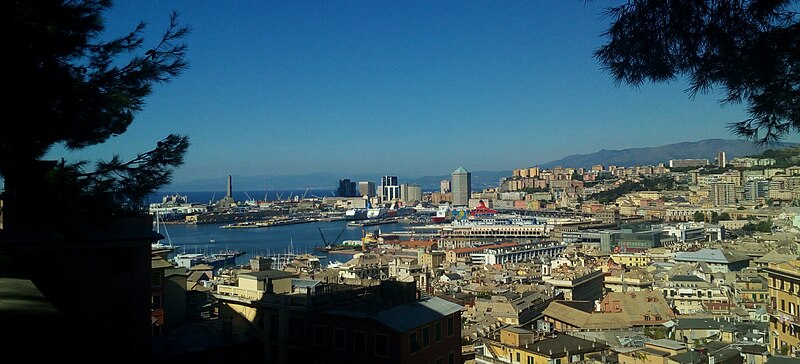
(265, 241)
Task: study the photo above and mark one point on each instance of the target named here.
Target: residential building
(444, 186)
(410, 193)
(654, 352)
(387, 323)
(752, 293)
(718, 260)
(577, 284)
(684, 163)
(692, 330)
(722, 193)
(633, 280)
(617, 310)
(517, 345)
(631, 259)
(756, 188)
(690, 294)
(461, 186)
(513, 310)
(784, 307)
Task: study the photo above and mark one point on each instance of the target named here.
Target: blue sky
(409, 88)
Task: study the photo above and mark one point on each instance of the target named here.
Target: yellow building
(632, 260)
(654, 352)
(525, 347)
(784, 307)
(433, 260)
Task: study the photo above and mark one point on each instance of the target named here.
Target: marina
(283, 240)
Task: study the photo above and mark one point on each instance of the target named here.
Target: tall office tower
(721, 160)
(229, 191)
(346, 188)
(366, 188)
(444, 186)
(390, 190)
(461, 183)
(410, 193)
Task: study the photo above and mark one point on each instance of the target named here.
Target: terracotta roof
(632, 310)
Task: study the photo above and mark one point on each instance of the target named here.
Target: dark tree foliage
(71, 88)
(645, 184)
(749, 48)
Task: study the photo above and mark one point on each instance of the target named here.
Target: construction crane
(304, 193)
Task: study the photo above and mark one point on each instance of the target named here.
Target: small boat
(334, 264)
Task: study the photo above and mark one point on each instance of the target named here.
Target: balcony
(245, 294)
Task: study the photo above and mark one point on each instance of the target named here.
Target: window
(360, 342)
(319, 335)
(413, 345)
(155, 302)
(451, 358)
(517, 357)
(450, 326)
(438, 360)
(783, 305)
(437, 331)
(381, 345)
(338, 338)
(426, 337)
(155, 279)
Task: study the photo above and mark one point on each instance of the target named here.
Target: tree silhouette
(71, 88)
(749, 48)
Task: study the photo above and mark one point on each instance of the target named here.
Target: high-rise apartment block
(410, 193)
(366, 188)
(686, 163)
(722, 193)
(462, 186)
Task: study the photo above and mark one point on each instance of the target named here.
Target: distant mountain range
(704, 149)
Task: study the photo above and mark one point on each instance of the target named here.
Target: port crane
(332, 243)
